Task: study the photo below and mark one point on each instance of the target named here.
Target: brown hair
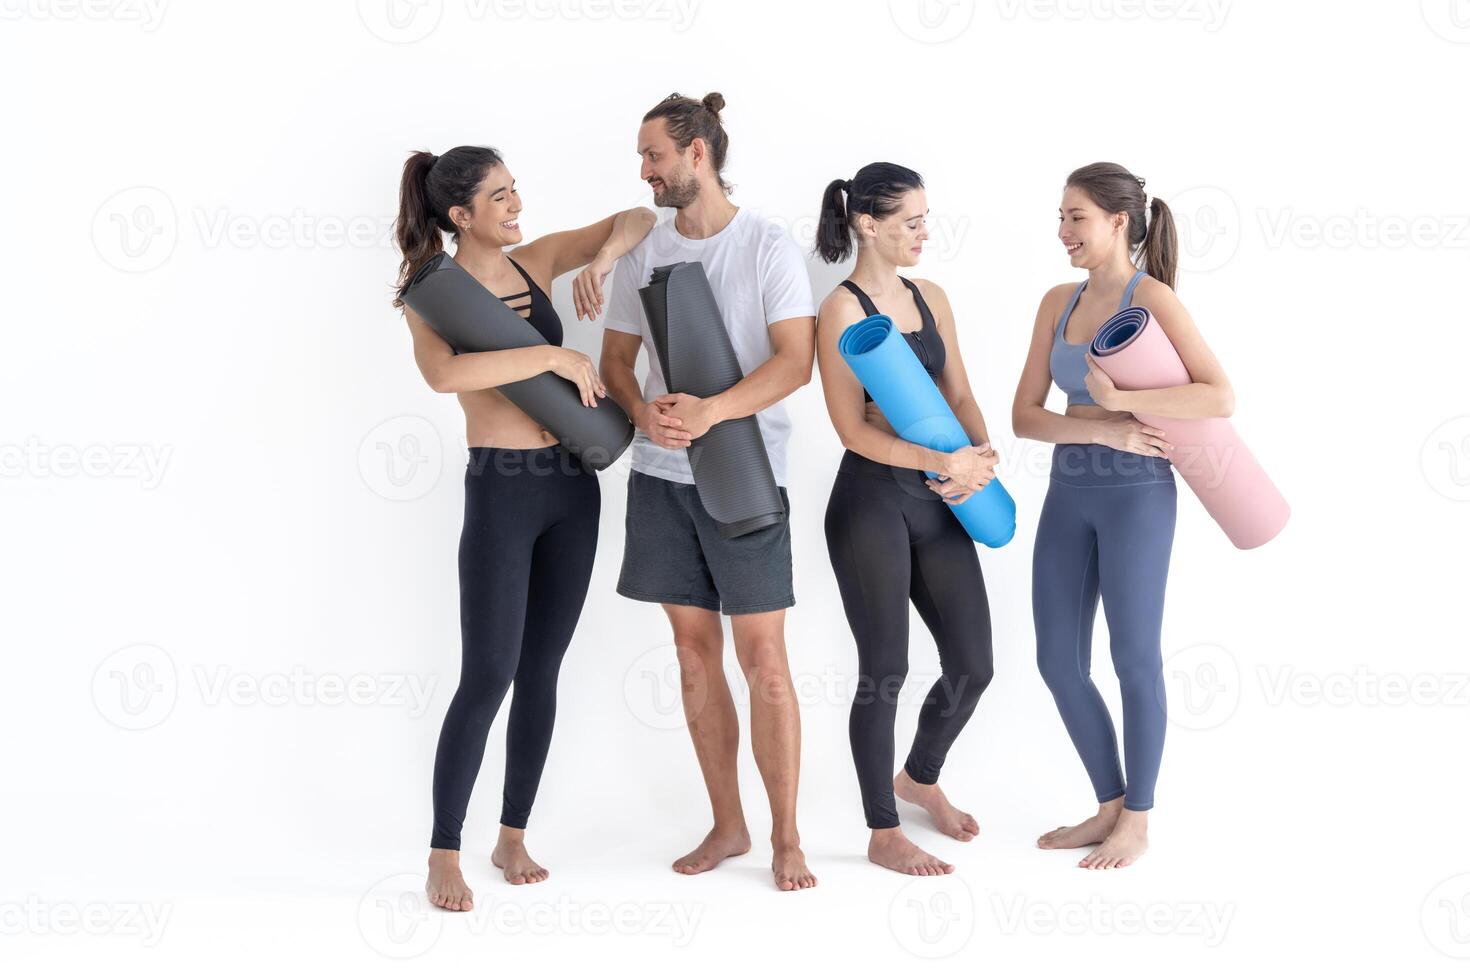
(1117, 191)
(430, 186)
(690, 119)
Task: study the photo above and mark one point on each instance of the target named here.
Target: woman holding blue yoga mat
(531, 506)
(1107, 526)
(891, 534)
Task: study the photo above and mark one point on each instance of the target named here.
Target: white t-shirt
(758, 277)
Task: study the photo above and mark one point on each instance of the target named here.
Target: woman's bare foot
(946, 816)
(717, 845)
(788, 865)
(1124, 845)
(510, 856)
(446, 887)
(890, 848)
(1093, 830)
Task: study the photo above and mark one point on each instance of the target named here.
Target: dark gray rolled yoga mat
(731, 469)
(471, 319)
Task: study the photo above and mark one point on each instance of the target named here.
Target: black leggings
(525, 558)
(892, 539)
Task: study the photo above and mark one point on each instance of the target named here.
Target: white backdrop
(231, 505)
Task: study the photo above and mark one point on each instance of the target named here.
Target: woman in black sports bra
(531, 509)
(890, 535)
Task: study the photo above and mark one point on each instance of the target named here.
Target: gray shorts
(673, 553)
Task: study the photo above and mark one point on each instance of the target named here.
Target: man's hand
(660, 427)
(693, 416)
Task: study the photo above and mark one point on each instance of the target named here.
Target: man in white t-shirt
(674, 553)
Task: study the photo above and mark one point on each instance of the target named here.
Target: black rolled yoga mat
(731, 469)
(471, 319)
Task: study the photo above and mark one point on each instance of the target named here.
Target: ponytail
(430, 186)
(877, 189)
(834, 237)
(1161, 244)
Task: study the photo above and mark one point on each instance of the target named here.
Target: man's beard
(678, 195)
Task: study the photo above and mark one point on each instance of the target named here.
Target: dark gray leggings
(891, 540)
(1106, 528)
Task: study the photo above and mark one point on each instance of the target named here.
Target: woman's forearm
(491, 369)
(629, 228)
(1042, 425)
(1192, 401)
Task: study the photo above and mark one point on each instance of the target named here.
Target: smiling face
(493, 216)
(669, 171)
(1090, 235)
(899, 238)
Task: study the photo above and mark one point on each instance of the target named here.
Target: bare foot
(717, 845)
(1126, 843)
(446, 887)
(891, 849)
(1093, 830)
(788, 865)
(510, 856)
(946, 816)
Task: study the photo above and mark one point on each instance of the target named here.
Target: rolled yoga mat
(471, 319)
(887, 366)
(731, 469)
(1134, 352)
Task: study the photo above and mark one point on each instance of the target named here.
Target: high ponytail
(1161, 244)
(429, 187)
(877, 189)
(1117, 191)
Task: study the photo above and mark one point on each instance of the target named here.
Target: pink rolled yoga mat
(1135, 354)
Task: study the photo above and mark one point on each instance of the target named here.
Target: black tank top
(926, 342)
(543, 316)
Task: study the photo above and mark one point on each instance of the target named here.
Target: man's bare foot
(1093, 830)
(788, 865)
(717, 845)
(1126, 843)
(510, 856)
(948, 818)
(891, 849)
(446, 887)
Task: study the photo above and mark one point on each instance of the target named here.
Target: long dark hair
(687, 119)
(432, 185)
(1117, 191)
(876, 189)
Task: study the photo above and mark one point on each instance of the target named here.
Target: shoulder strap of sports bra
(862, 297)
(1071, 305)
(926, 315)
(1128, 293)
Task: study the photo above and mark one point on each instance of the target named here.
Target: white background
(226, 488)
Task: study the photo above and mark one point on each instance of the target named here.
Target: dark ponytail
(876, 189)
(1117, 191)
(430, 186)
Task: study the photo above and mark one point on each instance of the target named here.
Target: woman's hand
(950, 490)
(587, 287)
(577, 368)
(1126, 434)
(970, 467)
(1100, 386)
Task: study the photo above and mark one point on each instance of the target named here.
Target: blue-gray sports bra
(1068, 365)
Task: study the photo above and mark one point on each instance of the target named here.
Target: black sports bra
(543, 315)
(926, 342)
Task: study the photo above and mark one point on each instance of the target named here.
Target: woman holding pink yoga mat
(1107, 525)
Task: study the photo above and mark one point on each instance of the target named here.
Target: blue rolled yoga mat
(887, 366)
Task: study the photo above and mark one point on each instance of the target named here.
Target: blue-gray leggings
(1106, 528)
